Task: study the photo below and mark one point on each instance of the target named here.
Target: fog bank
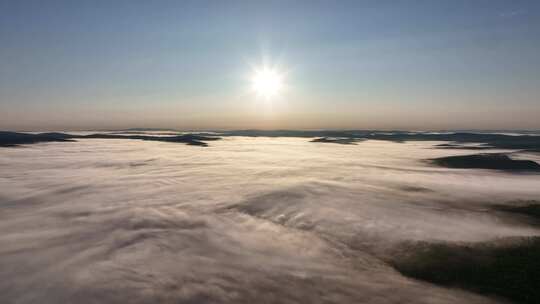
(244, 220)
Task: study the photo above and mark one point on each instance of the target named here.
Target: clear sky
(188, 64)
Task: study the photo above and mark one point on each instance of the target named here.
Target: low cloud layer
(245, 220)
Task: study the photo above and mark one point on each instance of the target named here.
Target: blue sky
(349, 64)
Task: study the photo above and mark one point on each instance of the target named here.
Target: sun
(267, 82)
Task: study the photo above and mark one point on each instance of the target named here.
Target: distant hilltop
(457, 140)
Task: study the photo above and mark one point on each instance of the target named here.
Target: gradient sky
(187, 64)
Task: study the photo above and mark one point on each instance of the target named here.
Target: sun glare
(267, 82)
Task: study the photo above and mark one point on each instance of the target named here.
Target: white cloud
(246, 220)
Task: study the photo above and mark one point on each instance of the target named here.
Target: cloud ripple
(246, 220)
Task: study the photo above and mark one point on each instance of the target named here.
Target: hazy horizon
(202, 130)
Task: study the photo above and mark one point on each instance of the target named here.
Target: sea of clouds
(245, 220)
